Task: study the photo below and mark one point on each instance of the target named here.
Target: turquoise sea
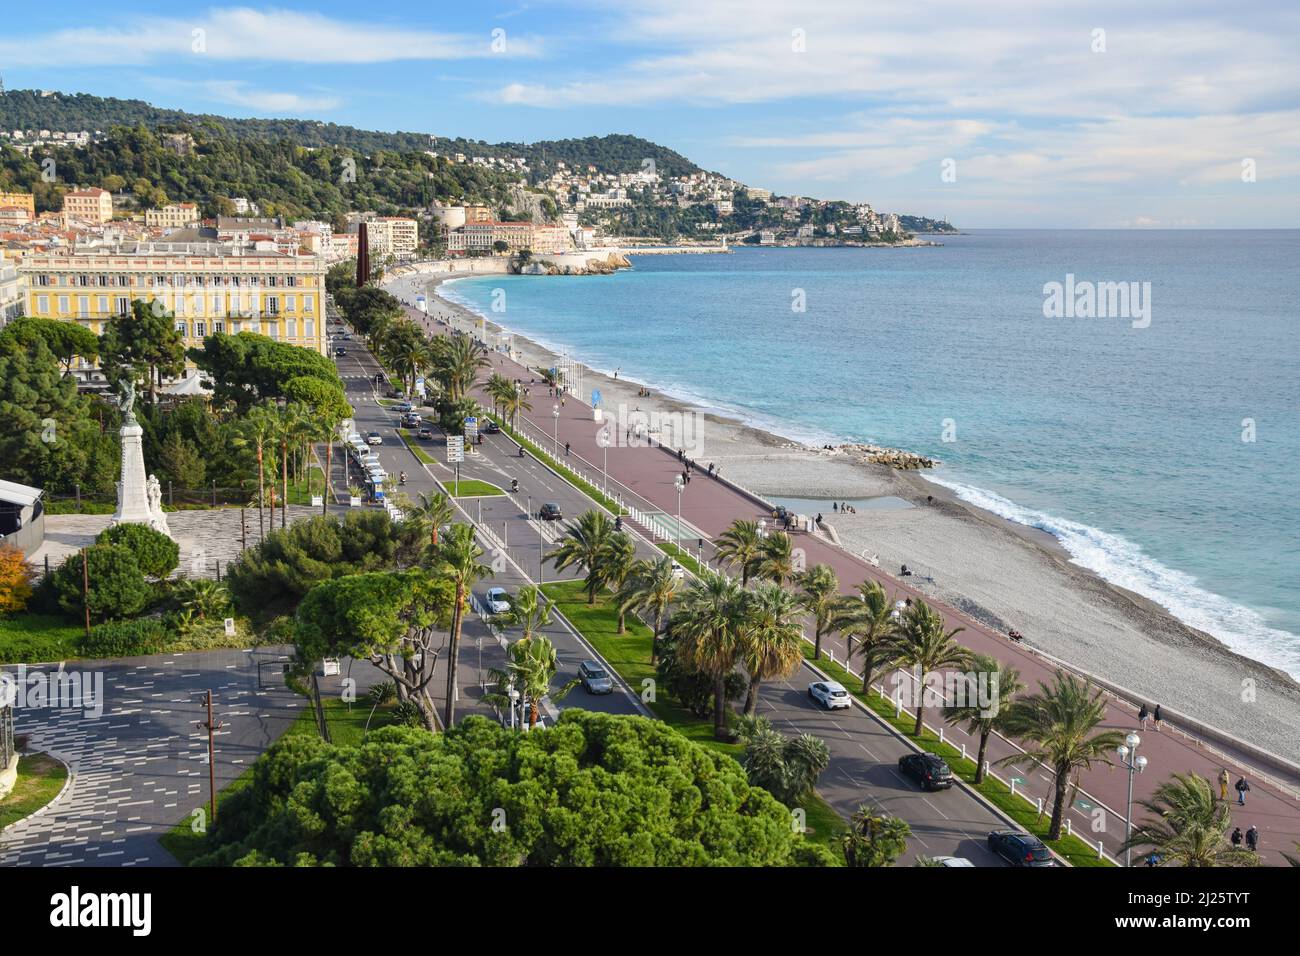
(1124, 442)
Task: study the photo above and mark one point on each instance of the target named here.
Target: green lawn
(1073, 849)
(40, 778)
(629, 655)
(682, 558)
(472, 488)
(39, 638)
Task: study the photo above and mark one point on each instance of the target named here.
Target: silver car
(595, 678)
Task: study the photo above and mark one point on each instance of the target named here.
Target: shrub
(155, 553)
(117, 587)
(126, 638)
(15, 580)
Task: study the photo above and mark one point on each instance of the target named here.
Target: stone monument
(139, 499)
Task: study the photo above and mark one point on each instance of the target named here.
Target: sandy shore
(1001, 573)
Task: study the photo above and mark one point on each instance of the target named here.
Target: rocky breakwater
(879, 455)
(573, 264)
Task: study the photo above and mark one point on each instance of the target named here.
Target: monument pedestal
(139, 498)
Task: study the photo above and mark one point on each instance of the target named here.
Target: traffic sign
(455, 449)
(471, 428)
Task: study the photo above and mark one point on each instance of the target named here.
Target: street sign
(455, 449)
(471, 429)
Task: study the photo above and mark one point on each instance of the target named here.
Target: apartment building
(22, 200)
(88, 205)
(179, 215)
(11, 291)
(207, 287)
(392, 236)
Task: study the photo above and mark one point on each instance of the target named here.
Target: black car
(1020, 849)
(491, 428)
(550, 512)
(929, 770)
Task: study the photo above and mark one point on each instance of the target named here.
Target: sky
(988, 113)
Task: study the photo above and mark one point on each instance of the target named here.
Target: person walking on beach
(1242, 787)
(1252, 839)
(1224, 780)
(1142, 716)
(1236, 837)
(835, 506)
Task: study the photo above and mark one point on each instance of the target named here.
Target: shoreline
(965, 555)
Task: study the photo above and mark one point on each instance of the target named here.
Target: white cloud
(242, 33)
(239, 93)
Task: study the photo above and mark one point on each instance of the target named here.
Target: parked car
(424, 433)
(831, 695)
(550, 512)
(595, 679)
(374, 438)
(929, 770)
(1020, 849)
(498, 601)
(952, 861)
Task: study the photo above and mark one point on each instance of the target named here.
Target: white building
(12, 289)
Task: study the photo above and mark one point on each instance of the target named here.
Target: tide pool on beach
(1124, 442)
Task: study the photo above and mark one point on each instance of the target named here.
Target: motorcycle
(514, 484)
(401, 478)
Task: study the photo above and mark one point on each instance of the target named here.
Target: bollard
(1069, 827)
(986, 768)
(963, 751)
(941, 735)
(218, 570)
(1013, 786)
(898, 706)
(1040, 806)
(1101, 851)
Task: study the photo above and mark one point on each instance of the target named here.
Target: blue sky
(1096, 115)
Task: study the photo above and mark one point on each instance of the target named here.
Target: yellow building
(208, 287)
(172, 216)
(23, 200)
(88, 205)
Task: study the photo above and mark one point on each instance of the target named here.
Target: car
(374, 438)
(498, 601)
(679, 572)
(927, 769)
(831, 695)
(411, 420)
(347, 336)
(339, 353)
(952, 861)
(491, 428)
(595, 679)
(550, 512)
(425, 432)
(403, 407)
(1020, 849)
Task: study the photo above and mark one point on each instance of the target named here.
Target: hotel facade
(208, 288)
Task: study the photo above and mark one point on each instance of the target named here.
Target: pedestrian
(1142, 716)
(1153, 858)
(1236, 837)
(1224, 780)
(1252, 839)
(566, 449)
(835, 506)
(1156, 718)
(1242, 787)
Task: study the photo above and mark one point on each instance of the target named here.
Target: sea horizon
(1105, 496)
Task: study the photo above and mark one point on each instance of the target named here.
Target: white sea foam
(1123, 563)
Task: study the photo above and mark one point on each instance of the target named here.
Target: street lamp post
(514, 697)
(680, 485)
(1128, 756)
(555, 411)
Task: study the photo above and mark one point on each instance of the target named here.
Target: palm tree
(652, 588)
(819, 596)
(530, 667)
(617, 563)
(870, 620)
(513, 402)
(585, 543)
(771, 638)
(874, 840)
(923, 643)
(529, 611)
(257, 429)
(707, 629)
(1058, 724)
(786, 767)
(1190, 826)
(776, 559)
(460, 362)
(497, 387)
(437, 510)
(740, 545)
(985, 717)
(202, 596)
(379, 695)
(456, 557)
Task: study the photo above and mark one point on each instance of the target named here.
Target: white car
(953, 861)
(679, 572)
(498, 601)
(374, 438)
(831, 695)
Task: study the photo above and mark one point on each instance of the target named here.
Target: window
(292, 329)
(219, 327)
(43, 305)
(291, 303)
(64, 307)
(83, 306)
(200, 329)
(308, 303)
(44, 280)
(273, 304)
(291, 281)
(101, 304)
(123, 305)
(180, 327)
(308, 329)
